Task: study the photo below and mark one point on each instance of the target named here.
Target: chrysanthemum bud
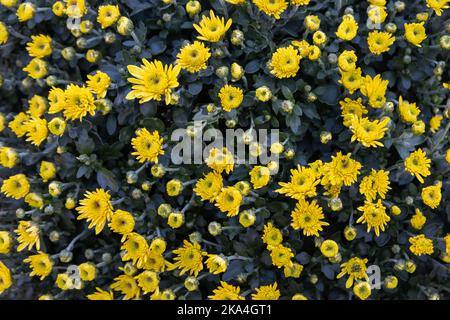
(399, 6)
(410, 266)
(54, 236)
(214, 228)
(124, 26)
(287, 106)
(136, 194)
(332, 58)
(391, 27)
(444, 42)
(237, 37)
(336, 204)
(409, 200)
(109, 38)
(195, 237)
(51, 81)
(68, 53)
(164, 210)
(86, 26)
(65, 256)
(231, 123)
(263, 94)
(20, 213)
(418, 127)
(81, 43)
(89, 254)
(313, 278)
(191, 283)
(193, 7)
(390, 282)
(350, 233)
(222, 72)
(237, 72)
(107, 257)
(407, 59)
(311, 97)
(289, 154)
(158, 171)
(325, 137)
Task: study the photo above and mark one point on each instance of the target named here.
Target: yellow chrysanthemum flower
(16, 186)
(341, 170)
(108, 15)
(329, 248)
(126, 285)
(57, 126)
(220, 160)
(136, 249)
(147, 146)
(375, 90)
(432, 195)
(348, 28)
(269, 292)
(301, 185)
(212, 28)
(415, 33)
(418, 220)
(230, 97)
(26, 11)
(272, 8)
(41, 265)
(351, 80)
(281, 256)
(308, 216)
(40, 46)
(193, 57)
(259, 176)
(28, 235)
(101, 295)
(36, 69)
(226, 292)
(8, 157)
(367, 132)
(99, 83)
(148, 281)
(5, 278)
(87, 271)
(285, 62)
(96, 208)
(216, 264)
(362, 290)
(229, 200)
(377, 183)
(5, 242)
(79, 102)
(37, 130)
(421, 245)
(272, 236)
(152, 81)
(75, 8)
(347, 60)
(408, 111)
(122, 222)
(355, 268)
(435, 123)
(57, 100)
(351, 109)
(37, 106)
(209, 187)
(418, 165)
(438, 5)
(3, 33)
(189, 258)
(374, 215)
(379, 42)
